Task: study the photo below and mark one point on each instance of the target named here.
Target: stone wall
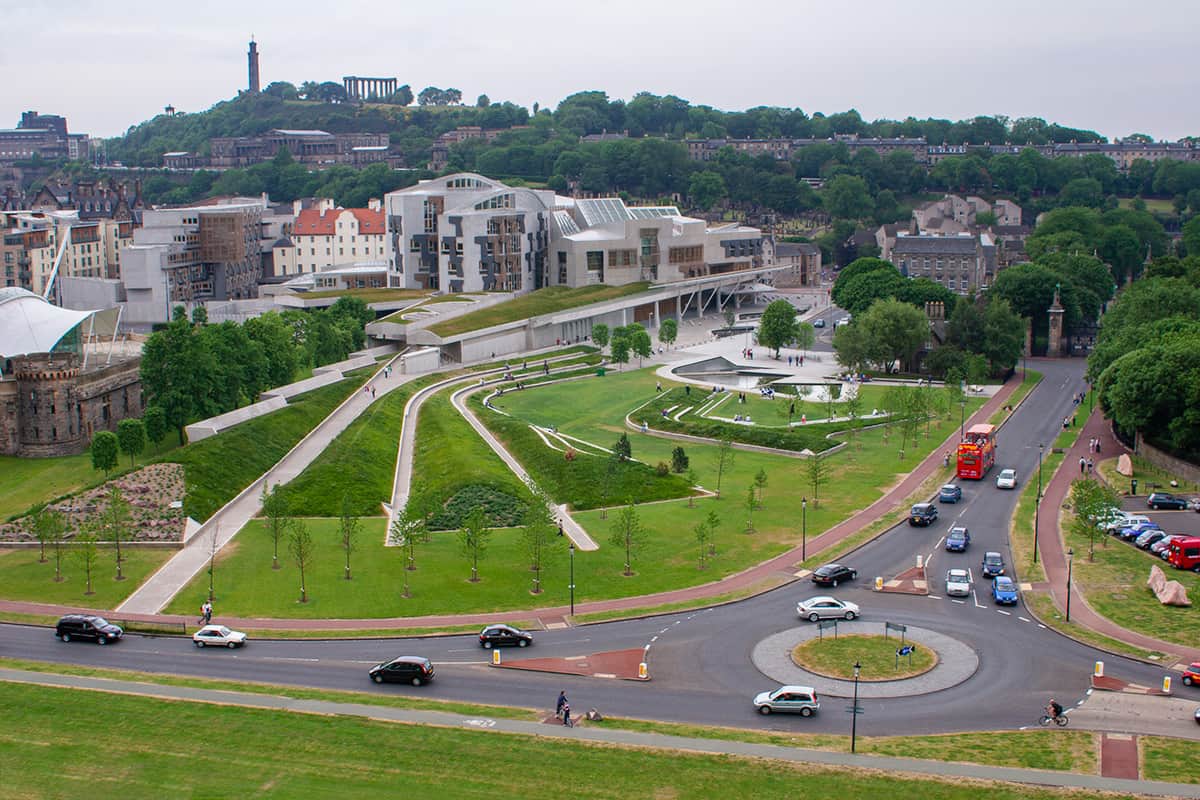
(1164, 460)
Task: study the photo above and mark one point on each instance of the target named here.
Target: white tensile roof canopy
(30, 324)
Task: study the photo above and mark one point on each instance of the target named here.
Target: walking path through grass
(335, 764)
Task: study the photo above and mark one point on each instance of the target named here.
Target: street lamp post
(1070, 564)
(1037, 502)
(571, 585)
(962, 417)
(804, 529)
(854, 709)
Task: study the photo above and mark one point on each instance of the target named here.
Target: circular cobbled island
(812, 656)
(880, 658)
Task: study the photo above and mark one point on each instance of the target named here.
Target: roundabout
(954, 662)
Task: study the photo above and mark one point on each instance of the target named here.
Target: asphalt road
(700, 660)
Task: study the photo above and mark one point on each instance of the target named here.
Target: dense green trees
(866, 280)
(778, 327)
(191, 371)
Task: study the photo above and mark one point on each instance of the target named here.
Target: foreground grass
(1169, 759)
(23, 578)
(218, 468)
(334, 757)
(542, 301)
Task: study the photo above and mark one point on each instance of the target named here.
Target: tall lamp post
(854, 709)
(804, 529)
(1070, 563)
(571, 585)
(962, 417)
(1037, 502)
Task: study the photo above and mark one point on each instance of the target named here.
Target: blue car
(949, 493)
(993, 564)
(1134, 531)
(1004, 591)
(958, 540)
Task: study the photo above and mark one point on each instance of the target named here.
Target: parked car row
(1179, 550)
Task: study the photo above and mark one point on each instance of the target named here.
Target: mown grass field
(156, 748)
(837, 655)
(23, 578)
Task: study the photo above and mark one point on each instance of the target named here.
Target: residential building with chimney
(327, 236)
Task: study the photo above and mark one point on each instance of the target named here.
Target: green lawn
(367, 295)
(542, 301)
(1146, 474)
(360, 464)
(835, 656)
(219, 467)
(200, 750)
(1020, 534)
(1169, 759)
(23, 578)
(29, 482)
(454, 469)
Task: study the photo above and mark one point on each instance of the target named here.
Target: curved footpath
(1053, 551)
(778, 569)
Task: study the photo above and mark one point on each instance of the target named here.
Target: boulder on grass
(1125, 465)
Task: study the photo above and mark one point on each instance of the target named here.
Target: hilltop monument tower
(252, 58)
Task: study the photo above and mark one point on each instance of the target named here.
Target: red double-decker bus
(977, 451)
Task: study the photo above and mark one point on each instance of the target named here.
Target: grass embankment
(359, 464)
(1169, 759)
(23, 578)
(29, 483)
(1020, 535)
(835, 656)
(163, 753)
(534, 304)
(218, 468)
(455, 470)
(1146, 474)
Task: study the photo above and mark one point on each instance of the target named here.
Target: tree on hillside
(538, 533)
(627, 533)
(600, 335)
(639, 342)
(48, 527)
(725, 454)
(701, 532)
(622, 450)
(777, 327)
(401, 97)
(131, 437)
(155, 421)
(817, 471)
(1091, 503)
(750, 503)
(117, 522)
(848, 197)
(894, 332)
(706, 189)
(104, 451)
(87, 553)
(300, 545)
(620, 351)
(348, 526)
(409, 529)
(275, 509)
(473, 538)
(668, 332)
(760, 483)
(679, 460)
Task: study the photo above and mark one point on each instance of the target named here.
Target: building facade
(314, 148)
(962, 264)
(805, 261)
(328, 236)
(44, 136)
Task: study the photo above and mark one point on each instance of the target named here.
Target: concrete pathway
(221, 527)
(1052, 550)
(597, 733)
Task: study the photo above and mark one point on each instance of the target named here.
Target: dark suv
(86, 626)
(923, 514)
(501, 635)
(1161, 500)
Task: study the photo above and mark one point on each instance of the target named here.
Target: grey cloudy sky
(1109, 65)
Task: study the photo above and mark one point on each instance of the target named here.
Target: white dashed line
(653, 639)
(1040, 625)
(960, 602)
(1024, 619)
(934, 597)
(1002, 611)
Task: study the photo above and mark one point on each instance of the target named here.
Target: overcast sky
(1108, 65)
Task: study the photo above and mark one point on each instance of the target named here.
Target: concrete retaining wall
(306, 385)
(1164, 460)
(424, 360)
(213, 425)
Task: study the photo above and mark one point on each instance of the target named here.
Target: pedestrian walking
(203, 612)
(562, 696)
(658, 387)
(1091, 466)
(1097, 445)
(372, 392)
(1082, 464)
(207, 609)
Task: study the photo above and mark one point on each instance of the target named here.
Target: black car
(405, 669)
(923, 514)
(87, 626)
(501, 635)
(993, 564)
(833, 574)
(1161, 500)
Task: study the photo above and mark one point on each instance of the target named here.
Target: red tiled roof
(312, 222)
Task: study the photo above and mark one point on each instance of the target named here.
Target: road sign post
(825, 624)
(906, 650)
(893, 626)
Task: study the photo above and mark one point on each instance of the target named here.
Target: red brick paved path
(1119, 755)
(1053, 552)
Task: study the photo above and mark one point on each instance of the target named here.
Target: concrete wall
(424, 360)
(198, 431)
(1164, 460)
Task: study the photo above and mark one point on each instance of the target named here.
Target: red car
(1191, 675)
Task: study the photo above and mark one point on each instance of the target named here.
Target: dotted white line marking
(1024, 619)
(1002, 611)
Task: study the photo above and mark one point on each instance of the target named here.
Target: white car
(958, 583)
(815, 608)
(1125, 520)
(1007, 479)
(800, 700)
(218, 636)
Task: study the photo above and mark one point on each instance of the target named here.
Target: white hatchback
(958, 583)
(1007, 479)
(218, 636)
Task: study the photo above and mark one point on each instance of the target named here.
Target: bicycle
(1060, 720)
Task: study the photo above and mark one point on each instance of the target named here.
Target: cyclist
(1053, 709)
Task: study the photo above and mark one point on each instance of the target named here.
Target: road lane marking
(975, 597)
(1024, 619)
(933, 596)
(653, 639)
(1002, 611)
(284, 658)
(960, 602)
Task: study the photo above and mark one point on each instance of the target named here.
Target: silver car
(815, 608)
(958, 583)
